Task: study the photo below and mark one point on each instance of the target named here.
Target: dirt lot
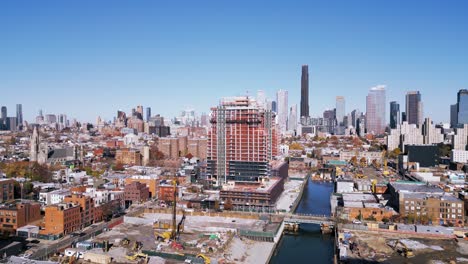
(373, 247)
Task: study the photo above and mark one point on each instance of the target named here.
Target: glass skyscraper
(375, 110)
(394, 114)
(462, 107)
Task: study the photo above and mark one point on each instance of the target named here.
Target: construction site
(384, 247)
(173, 235)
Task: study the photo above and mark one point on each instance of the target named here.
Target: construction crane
(174, 210)
(404, 251)
(180, 226)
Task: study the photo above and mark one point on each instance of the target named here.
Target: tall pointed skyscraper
(305, 91)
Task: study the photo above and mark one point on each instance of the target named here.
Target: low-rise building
(136, 193)
(128, 156)
(151, 181)
(425, 203)
(63, 218)
(18, 215)
(258, 196)
(86, 204)
(6, 190)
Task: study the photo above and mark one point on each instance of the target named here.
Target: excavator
(206, 259)
(138, 255)
(403, 250)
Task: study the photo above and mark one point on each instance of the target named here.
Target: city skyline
(114, 58)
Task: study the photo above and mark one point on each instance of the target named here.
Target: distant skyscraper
(375, 110)
(282, 99)
(340, 110)
(394, 114)
(403, 117)
(19, 115)
(414, 108)
(453, 115)
(292, 118)
(462, 107)
(305, 91)
(4, 113)
(148, 113)
(274, 106)
(355, 114)
(261, 98)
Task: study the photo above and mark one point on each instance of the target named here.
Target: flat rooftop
(415, 187)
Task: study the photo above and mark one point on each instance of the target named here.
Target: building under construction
(241, 142)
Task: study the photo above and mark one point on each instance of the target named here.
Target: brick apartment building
(15, 216)
(128, 156)
(136, 193)
(426, 203)
(166, 192)
(6, 190)
(151, 181)
(64, 218)
(86, 204)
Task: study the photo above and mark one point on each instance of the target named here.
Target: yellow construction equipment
(206, 259)
(138, 255)
(360, 176)
(137, 246)
(403, 250)
(162, 236)
(125, 241)
(175, 230)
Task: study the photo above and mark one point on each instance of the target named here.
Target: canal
(309, 245)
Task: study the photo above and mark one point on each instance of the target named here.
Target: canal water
(309, 245)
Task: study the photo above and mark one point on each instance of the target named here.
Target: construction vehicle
(137, 246)
(162, 236)
(403, 250)
(206, 259)
(137, 256)
(125, 241)
(360, 176)
(174, 210)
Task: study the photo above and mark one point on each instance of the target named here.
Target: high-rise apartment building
(394, 114)
(282, 99)
(340, 110)
(462, 107)
(414, 108)
(241, 141)
(305, 91)
(375, 110)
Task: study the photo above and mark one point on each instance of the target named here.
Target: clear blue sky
(90, 58)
